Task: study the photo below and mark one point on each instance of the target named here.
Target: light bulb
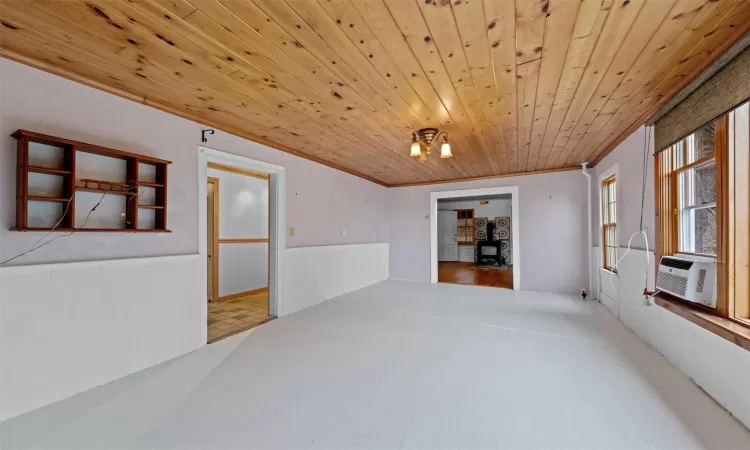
(445, 150)
(416, 150)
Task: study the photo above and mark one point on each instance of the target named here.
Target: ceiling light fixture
(422, 142)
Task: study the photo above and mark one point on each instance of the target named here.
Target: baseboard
(242, 294)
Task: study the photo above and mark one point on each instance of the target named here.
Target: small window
(696, 190)
(465, 226)
(609, 223)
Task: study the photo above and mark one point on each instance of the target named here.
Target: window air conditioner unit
(689, 279)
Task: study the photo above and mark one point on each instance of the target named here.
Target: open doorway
(474, 241)
(237, 225)
(475, 237)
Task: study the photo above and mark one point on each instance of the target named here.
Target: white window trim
(613, 170)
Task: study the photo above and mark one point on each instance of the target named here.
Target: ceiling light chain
(422, 141)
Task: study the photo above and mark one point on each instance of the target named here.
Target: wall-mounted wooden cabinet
(67, 185)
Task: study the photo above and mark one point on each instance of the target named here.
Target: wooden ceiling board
(716, 26)
(531, 19)
(357, 30)
(619, 21)
(500, 17)
(380, 37)
(444, 39)
(527, 82)
(325, 59)
(282, 68)
(520, 86)
(419, 42)
(591, 17)
(398, 158)
(469, 17)
(558, 35)
(649, 19)
(73, 55)
(292, 97)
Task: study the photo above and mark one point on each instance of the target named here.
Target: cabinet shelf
(102, 191)
(78, 168)
(48, 171)
(38, 198)
(95, 230)
(147, 184)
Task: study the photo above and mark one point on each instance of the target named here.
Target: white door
(447, 236)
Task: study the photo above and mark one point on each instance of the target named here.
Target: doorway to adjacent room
(241, 239)
(238, 214)
(474, 239)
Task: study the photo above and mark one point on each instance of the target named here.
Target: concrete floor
(402, 365)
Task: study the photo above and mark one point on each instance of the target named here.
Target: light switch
(291, 232)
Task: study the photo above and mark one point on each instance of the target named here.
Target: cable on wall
(641, 231)
(37, 244)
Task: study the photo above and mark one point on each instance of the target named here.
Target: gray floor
(402, 365)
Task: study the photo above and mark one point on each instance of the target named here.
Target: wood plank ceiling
(519, 85)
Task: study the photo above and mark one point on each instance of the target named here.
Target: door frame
(277, 216)
(215, 238)
(480, 192)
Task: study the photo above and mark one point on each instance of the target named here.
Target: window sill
(725, 328)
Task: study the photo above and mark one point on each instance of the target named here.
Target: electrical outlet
(343, 232)
(291, 232)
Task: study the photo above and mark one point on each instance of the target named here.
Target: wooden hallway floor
(468, 273)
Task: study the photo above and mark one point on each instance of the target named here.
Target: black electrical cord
(36, 247)
(646, 142)
(37, 244)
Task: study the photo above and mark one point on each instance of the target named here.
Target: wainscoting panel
(242, 267)
(719, 367)
(315, 274)
(66, 328)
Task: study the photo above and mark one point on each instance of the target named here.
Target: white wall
(629, 159)
(719, 367)
(114, 315)
(66, 328)
(243, 214)
(308, 281)
(41, 102)
(553, 240)
(242, 267)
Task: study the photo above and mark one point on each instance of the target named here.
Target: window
(465, 226)
(696, 191)
(703, 205)
(609, 223)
